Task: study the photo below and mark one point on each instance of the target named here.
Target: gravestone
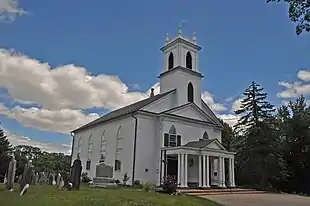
(26, 176)
(36, 178)
(50, 179)
(33, 177)
(75, 174)
(58, 176)
(11, 174)
(104, 176)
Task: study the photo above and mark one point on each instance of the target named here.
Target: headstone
(50, 179)
(26, 176)
(61, 184)
(104, 174)
(66, 179)
(24, 190)
(58, 179)
(33, 177)
(36, 178)
(11, 174)
(75, 174)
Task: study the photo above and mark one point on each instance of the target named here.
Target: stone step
(220, 191)
(215, 190)
(227, 193)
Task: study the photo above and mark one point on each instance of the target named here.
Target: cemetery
(38, 188)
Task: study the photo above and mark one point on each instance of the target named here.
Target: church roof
(202, 143)
(124, 110)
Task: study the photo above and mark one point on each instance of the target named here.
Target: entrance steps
(218, 191)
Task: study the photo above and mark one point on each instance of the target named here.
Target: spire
(194, 39)
(180, 30)
(167, 37)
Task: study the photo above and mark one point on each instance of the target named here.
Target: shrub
(117, 181)
(85, 177)
(148, 186)
(169, 184)
(137, 184)
(125, 179)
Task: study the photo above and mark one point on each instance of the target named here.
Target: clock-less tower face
(181, 69)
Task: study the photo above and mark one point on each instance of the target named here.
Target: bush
(125, 179)
(85, 177)
(148, 186)
(117, 181)
(170, 184)
(137, 184)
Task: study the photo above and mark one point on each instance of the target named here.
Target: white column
(204, 168)
(230, 171)
(233, 172)
(199, 171)
(223, 172)
(208, 172)
(185, 170)
(219, 172)
(179, 169)
(182, 170)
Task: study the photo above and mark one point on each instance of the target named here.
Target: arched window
(205, 135)
(171, 139)
(170, 61)
(189, 60)
(103, 148)
(119, 148)
(79, 146)
(90, 147)
(190, 92)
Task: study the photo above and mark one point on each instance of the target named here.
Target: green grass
(47, 195)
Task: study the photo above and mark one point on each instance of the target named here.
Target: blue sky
(242, 41)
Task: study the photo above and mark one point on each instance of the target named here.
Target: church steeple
(181, 68)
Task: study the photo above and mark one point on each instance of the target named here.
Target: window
(205, 136)
(190, 92)
(171, 139)
(103, 148)
(118, 165)
(90, 147)
(189, 60)
(170, 61)
(88, 165)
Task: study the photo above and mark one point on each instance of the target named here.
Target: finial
(152, 92)
(167, 37)
(180, 30)
(194, 37)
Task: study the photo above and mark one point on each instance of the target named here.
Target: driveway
(264, 199)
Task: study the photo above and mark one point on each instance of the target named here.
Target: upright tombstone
(11, 174)
(50, 179)
(75, 174)
(33, 177)
(37, 177)
(58, 176)
(26, 176)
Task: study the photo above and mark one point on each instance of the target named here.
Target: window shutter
(179, 140)
(166, 139)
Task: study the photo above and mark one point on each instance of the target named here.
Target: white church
(172, 133)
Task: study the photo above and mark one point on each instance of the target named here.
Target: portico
(199, 164)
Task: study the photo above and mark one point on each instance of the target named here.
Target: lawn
(47, 195)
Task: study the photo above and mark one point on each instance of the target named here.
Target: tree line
(42, 161)
(272, 144)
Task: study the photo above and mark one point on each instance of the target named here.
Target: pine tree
(5, 148)
(257, 140)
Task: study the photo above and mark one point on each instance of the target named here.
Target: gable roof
(213, 118)
(203, 143)
(124, 110)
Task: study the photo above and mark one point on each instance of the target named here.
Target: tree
(299, 12)
(294, 124)
(5, 149)
(257, 146)
(227, 136)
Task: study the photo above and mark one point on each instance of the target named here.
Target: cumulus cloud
(210, 101)
(295, 89)
(61, 121)
(16, 139)
(9, 9)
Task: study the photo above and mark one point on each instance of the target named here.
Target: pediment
(215, 145)
(190, 111)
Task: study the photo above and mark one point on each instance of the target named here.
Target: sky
(64, 63)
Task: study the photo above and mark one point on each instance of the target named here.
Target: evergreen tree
(258, 149)
(227, 136)
(5, 148)
(294, 124)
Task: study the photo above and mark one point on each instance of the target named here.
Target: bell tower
(181, 69)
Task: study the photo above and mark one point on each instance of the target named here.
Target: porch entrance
(172, 166)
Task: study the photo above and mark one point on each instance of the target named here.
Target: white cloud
(16, 139)
(63, 87)
(295, 89)
(236, 105)
(209, 100)
(9, 9)
(62, 121)
(230, 119)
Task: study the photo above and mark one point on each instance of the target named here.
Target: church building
(173, 133)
